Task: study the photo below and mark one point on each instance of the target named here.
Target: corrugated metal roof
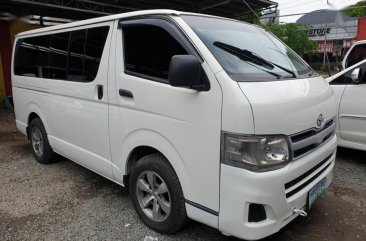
(325, 16)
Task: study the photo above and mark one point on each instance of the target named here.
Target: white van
(202, 117)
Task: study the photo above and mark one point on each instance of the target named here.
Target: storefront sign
(329, 47)
(316, 32)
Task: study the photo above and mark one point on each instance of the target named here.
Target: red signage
(329, 47)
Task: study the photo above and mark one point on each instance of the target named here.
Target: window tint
(73, 56)
(57, 68)
(31, 57)
(358, 53)
(93, 51)
(148, 50)
(76, 56)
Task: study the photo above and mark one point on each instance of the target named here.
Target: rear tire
(42, 150)
(157, 194)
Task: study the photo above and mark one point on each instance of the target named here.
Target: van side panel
(76, 120)
(183, 124)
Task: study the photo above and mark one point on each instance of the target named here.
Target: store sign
(329, 47)
(316, 32)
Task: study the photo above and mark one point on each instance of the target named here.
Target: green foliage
(292, 35)
(356, 10)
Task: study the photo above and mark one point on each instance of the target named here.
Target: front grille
(306, 141)
(296, 185)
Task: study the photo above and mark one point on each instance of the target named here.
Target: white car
(355, 54)
(350, 92)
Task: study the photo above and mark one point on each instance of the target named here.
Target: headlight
(255, 153)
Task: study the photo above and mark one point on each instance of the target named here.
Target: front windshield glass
(247, 52)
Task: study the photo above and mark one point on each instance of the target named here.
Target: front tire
(42, 150)
(157, 194)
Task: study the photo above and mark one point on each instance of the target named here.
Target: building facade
(334, 32)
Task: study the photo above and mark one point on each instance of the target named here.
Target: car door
(78, 105)
(351, 98)
(182, 123)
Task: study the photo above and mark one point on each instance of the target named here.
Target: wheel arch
(144, 142)
(35, 112)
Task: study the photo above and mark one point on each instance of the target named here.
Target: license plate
(316, 192)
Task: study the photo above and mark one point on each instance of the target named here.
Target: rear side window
(72, 56)
(59, 51)
(31, 57)
(148, 50)
(76, 56)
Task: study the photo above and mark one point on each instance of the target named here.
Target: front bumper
(239, 188)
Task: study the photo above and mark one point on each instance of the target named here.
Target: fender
(151, 138)
(34, 108)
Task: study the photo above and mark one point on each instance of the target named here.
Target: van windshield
(247, 52)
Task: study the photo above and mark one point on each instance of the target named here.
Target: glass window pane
(31, 57)
(148, 50)
(58, 56)
(95, 42)
(76, 56)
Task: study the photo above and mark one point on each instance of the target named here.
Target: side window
(94, 46)
(31, 57)
(75, 71)
(73, 56)
(148, 50)
(357, 54)
(57, 68)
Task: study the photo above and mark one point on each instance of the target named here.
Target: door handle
(125, 93)
(100, 91)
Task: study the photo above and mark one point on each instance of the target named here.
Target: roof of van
(109, 18)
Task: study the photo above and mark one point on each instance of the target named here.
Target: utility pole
(325, 44)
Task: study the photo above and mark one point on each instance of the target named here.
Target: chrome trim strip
(318, 136)
(315, 139)
(356, 117)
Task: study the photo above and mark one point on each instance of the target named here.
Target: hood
(289, 106)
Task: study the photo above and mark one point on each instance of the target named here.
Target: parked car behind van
(355, 54)
(201, 117)
(350, 91)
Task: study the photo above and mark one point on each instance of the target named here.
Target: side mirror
(356, 75)
(186, 71)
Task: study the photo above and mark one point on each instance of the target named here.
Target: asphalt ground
(64, 201)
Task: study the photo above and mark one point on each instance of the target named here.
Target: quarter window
(31, 57)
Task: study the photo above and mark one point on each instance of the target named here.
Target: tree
(356, 10)
(292, 34)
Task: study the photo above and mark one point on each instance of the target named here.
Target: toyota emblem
(320, 120)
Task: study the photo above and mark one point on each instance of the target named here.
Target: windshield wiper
(249, 56)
